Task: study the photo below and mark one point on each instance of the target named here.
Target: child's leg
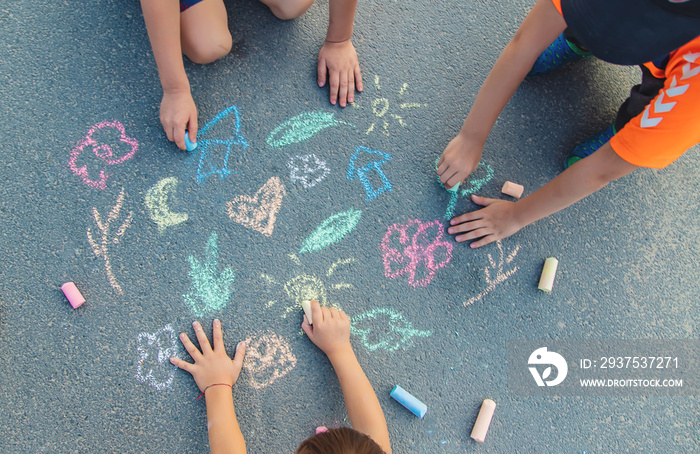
(288, 9)
(640, 96)
(204, 31)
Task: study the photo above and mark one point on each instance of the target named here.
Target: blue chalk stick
(454, 188)
(188, 143)
(405, 398)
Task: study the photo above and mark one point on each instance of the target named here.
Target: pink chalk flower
(406, 247)
(103, 151)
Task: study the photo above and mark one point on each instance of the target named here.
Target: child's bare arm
(500, 218)
(331, 333)
(215, 374)
(539, 29)
(177, 109)
(337, 59)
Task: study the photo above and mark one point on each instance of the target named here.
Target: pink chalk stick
(75, 298)
(321, 429)
(513, 189)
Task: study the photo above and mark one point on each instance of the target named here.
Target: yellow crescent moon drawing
(157, 204)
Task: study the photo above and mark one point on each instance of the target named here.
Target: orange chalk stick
(483, 421)
(513, 189)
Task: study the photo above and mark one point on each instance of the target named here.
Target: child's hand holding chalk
(330, 331)
(189, 145)
(178, 115)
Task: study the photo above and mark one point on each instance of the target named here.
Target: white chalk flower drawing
(500, 275)
(307, 170)
(268, 358)
(155, 350)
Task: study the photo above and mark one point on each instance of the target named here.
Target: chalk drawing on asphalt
(332, 230)
(108, 237)
(258, 212)
(109, 144)
(481, 175)
(496, 273)
(215, 142)
(415, 249)
(386, 329)
(365, 165)
(307, 287)
(157, 204)
(268, 357)
(307, 170)
(210, 289)
(381, 108)
(155, 350)
(303, 127)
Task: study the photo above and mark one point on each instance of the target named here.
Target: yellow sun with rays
(381, 109)
(305, 287)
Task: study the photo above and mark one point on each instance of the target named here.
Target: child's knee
(288, 9)
(210, 50)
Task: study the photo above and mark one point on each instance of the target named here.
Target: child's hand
(330, 331)
(460, 158)
(177, 114)
(497, 220)
(339, 62)
(210, 366)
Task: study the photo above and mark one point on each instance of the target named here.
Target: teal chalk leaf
(331, 230)
(210, 290)
(386, 329)
(302, 127)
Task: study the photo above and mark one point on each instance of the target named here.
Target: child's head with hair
(343, 440)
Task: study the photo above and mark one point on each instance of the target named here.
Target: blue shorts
(184, 4)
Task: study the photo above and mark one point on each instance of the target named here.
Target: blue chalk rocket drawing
(214, 152)
(374, 159)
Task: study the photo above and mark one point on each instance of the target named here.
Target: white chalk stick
(483, 421)
(548, 272)
(513, 189)
(306, 305)
(75, 298)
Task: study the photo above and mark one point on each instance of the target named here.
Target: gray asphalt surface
(93, 379)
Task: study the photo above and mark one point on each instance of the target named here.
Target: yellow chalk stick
(548, 273)
(483, 421)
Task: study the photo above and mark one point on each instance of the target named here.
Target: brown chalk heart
(260, 211)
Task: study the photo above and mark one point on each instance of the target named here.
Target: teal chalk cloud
(210, 290)
(302, 127)
(331, 230)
